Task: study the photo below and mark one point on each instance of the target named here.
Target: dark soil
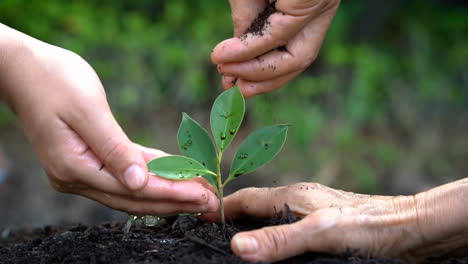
(261, 21)
(184, 239)
(260, 24)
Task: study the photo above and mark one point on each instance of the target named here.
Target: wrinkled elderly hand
(63, 109)
(289, 42)
(411, 227)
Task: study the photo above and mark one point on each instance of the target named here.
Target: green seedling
(202, 158)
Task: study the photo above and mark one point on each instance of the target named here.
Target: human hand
(286, 45)
(63, 108)
(334, 221)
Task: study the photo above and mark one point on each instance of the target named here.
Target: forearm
(443, 217)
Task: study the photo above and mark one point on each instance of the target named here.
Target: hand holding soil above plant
(273, 42)
(412, 228)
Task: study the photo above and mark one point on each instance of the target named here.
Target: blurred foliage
(371, 95)
(390, 84)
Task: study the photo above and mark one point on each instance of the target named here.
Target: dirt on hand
(260, 23)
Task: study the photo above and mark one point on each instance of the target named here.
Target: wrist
(442, 210)
(441, 220)
(406, 215)
(17, 53)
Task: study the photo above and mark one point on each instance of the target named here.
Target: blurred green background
(384, 108)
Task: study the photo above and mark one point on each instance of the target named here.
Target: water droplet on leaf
(232, 131)
(223, 136)
(226, 115)
(243, 155)
(187, 144)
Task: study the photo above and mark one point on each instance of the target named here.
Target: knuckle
(63, 172)
(279, 41)
(245, 191)
(298, 185)
(276, 239)
(58, 187)
(315, 185)
(331, 4)
(304, 62)
(326, 5)
(114, 149)
(306, 185)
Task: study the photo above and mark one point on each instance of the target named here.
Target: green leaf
(194, 142)
(259, 148)
(177, 168)
(226, 117)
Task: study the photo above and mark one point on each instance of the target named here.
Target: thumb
(244, 12)
(101, 132)
(271, 243)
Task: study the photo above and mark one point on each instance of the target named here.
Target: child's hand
(63, 108)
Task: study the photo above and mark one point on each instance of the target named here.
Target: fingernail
(246, 244)
(134, 177)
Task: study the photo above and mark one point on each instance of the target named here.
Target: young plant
(201, 156)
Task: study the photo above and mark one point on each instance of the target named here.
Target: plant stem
(227, 181)
(219, 179)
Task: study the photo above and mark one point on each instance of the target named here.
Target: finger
(282, 29)
(314, 233)
(252, 88)
(204, 183)
(228, 81)
(301, 7)
(157, 188)
(243, 12)
(299, 53)
(144, 207)
(76, 164)
(101, 132)
(271, 65)
(271, 243)
(256, 202)
(150, 154)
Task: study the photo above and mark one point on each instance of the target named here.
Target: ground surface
(177, 240)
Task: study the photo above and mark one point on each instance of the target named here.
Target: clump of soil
(184, 239)
(260, 23)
